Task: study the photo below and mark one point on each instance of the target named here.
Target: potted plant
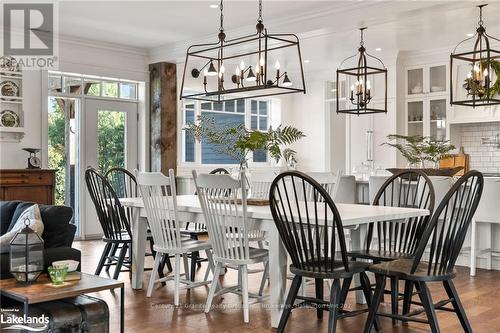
(237, 141)
(418, 149)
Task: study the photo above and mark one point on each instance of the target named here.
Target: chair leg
(177, 273)
(319, 286)
(194, 258)
(244, 293)
(408, 294)
(457, 305)
(166, 261)
(334, 303)
(394, 297)
(119, 264)
(425, 297)
(344, 291)
(213, 287)
(105, 252)
(112, 253)
(290, 300)
(473, 248)
(154, 273)
(210, 264)
(265, 276)
(186, 265)
(377, 298)
(367, 291)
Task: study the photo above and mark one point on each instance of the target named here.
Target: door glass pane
(438, 119)
(415, 81)
(110, 140)
(63, 132)
(437, 78)
(415, 118)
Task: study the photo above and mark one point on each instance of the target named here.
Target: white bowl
(71, 264)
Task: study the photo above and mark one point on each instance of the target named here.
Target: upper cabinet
(426, 80)
(427, 101)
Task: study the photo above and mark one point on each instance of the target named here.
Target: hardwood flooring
(480, 296)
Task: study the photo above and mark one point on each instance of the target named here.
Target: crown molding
(112, 47)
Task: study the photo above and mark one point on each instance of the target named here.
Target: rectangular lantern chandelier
(244, 67)
(475, 69)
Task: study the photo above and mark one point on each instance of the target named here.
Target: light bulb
(476, 68)
(357, 83)
(238, 71)
(361, 81)
(205, 72)
(352, 87)
(368, 85)
(277, 65)
(485, 73)
(222, 69)
(262, 61)
(469, 75)
(242, 65)
(257, 68)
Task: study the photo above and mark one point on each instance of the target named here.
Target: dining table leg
(357, 238)
(139, 234)
(277, 275)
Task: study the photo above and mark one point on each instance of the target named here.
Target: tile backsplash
(485, 158)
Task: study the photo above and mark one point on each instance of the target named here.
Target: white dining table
(354, 217)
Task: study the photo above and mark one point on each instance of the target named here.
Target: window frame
(197, 146)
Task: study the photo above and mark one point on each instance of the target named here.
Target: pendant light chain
(260, 11)
(362, 40)
(221, 6)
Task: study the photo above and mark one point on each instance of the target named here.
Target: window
(74, 84)
(255, 114)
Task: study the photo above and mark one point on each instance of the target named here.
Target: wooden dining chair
(228, 230)
(113, 220)
(196, 230)
(391, 240)
(445, 234)
(314, 254)
(160, 202)
(125, 186)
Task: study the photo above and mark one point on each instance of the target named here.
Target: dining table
(355, 217)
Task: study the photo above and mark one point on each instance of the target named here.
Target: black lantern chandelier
(475, 74)
(357, 74)
(260, 76)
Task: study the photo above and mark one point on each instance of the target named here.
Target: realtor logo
(35, 23)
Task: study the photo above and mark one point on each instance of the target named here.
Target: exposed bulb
(205, 72)
(357, 83)
(242, 65)
(257, 68)
(469, 75)
(262, 61)
(368, 85)
(352, 87)
(277, 65)
(361, 81)
(222, 69)
(485, 73)
(476, 68)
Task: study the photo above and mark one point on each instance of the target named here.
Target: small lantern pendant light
(26, 255)
(474, 75)
(358, 75)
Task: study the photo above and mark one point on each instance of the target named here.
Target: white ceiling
(324, 26)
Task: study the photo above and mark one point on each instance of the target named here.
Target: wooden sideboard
(35, 185)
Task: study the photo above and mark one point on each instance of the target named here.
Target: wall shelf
(15, 104)
(11, 134)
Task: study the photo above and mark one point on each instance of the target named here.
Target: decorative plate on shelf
(9, 89)
(9, 118)
(8, 64)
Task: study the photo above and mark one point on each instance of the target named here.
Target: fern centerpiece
(238, 141)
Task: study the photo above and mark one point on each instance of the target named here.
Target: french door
(110, 141)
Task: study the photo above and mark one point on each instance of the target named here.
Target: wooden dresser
(35, 185)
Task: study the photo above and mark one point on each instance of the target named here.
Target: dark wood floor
(480, 296)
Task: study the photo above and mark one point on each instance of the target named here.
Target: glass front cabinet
(427, 100)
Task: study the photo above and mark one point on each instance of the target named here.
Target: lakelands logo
(28, 34)
(31, 324)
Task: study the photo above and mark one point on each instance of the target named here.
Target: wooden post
(163, 116)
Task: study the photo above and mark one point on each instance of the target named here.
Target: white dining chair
(228, 229)
(160, 202)
(260, 183)
(488, 211)
(345, 190)
(328, 180)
